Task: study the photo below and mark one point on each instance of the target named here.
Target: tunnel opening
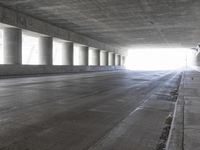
(30, 49)
(153, 59)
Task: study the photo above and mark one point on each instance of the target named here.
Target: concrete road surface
(120, 110)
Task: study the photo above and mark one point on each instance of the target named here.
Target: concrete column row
(13, 52)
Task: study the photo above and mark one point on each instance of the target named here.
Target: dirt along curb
(176, 134)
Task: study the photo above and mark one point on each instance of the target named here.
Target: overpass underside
(64, 83)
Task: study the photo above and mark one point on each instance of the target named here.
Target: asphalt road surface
(121, 110)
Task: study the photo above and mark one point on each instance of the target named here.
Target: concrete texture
(12, 46)
(103, 58)
(68, 53)
(83, 56)
(117, 60)
(111, 59)
(94, 57)
(45, 51)
(98, 111)
(126, 23)
(27, 22)
(10, 70)
(120, 60)
(185, 133)
(123, 60)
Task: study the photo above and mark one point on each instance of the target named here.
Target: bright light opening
(30, 50)
(1, 47)
(77, 54)
(57, 53)
(156, 59)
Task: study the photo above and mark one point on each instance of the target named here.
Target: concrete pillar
(107, 58)
(123, 60)
(103, 58)
(45, 51)
(113, 63)
(98, 57)
(94, 57)
(116, 60)
(111, 59)
(84, 56)
(197, 59)
(68, 53)
(120, 60)
(12, 46)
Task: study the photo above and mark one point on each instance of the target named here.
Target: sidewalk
(185, 130)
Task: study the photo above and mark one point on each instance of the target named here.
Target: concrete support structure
(22, 21)
(103, 58)
(68, 53)
(107, 58)
(45, 50)
(94, 57)
(84, 56)
(114, 58)
(98, 57)
(111, 59)
(117, 60)
(120, 60)
(15, 22)
(12, 46)
(123, 60)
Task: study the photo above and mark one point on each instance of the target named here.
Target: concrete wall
(14, 18)
(12, 70)
(18, 21)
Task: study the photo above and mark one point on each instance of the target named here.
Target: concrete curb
(176, 135)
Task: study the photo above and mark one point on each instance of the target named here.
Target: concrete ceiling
(127, 23)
